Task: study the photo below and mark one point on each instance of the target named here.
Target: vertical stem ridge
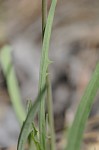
(42, 105)
(44, 16)
(46, 34)
(50, 112)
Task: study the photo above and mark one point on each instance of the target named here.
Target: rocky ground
(74, 51)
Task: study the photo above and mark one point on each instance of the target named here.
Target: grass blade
(44, 17)
(12, 84)
(50, 113)
(27, 125)
(43, 70)
(77, 129)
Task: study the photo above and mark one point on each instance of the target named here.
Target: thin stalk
(44, 16)
(44, 67)
(50, 112)
(42, 123)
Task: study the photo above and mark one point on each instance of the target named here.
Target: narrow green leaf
(50, 113)
(27, 125)
(77, 129)
(28, 105)
(43, 70)
(12, 84)
(34, 138)
(33, 145)
(45, 48)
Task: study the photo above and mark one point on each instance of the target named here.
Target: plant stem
(50, 112)
(42, 104)
(44, 66)
(44, 16)
(49, 92)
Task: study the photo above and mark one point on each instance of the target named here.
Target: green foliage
(50, 113)
(28, 130)
(12, 84)
(27, 127)
(84, 108)
(37, 140)
(43, 71)
(34, 138)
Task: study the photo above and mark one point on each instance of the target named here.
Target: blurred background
(74, 50)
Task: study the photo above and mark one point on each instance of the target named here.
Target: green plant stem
(44, 16)
(50, 112)
(42, 125)
(43, 71)
(27, 124)
(49, 92)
